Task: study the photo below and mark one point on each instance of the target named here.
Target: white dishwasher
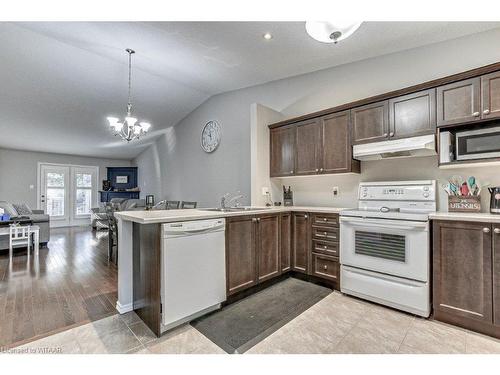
(193, 278)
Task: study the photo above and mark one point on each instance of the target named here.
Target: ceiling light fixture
(267, 36)
(130, 128)
(331, 32)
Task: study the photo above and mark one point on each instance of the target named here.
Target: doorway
(67, 193)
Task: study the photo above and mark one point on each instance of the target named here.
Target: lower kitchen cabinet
(462, 275)
(262, 247)
(325, 266)
(301, 242)
(268, 247)
(496, 276)
(253, 252)
(240, 254)
(286, 242)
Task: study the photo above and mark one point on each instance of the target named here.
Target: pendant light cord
(129, 105)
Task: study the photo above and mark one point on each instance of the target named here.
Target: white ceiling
(60, 80)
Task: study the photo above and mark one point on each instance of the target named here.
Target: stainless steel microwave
(478, 144)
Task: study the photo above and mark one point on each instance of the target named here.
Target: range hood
(399, 148)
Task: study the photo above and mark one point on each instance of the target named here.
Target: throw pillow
(22, 209)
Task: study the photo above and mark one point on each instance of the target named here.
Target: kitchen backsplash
(317, 190)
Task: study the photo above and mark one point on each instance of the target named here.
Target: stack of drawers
(325, 246)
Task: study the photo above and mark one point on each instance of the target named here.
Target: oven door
(394, 247)
(478, 144)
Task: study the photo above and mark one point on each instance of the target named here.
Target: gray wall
(18, 170)
(176, 167)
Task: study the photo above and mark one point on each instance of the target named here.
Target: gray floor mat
(239, 326)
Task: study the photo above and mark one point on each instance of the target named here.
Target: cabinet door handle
(254, 220)
(486, 230)
(305, 216)
(496, 230)
(475, 114)
(321, 169)
(486, 112)
(385, 134)
(317, 170)
(291, 171)
(391, 134)
(325, 267)
(258, 219)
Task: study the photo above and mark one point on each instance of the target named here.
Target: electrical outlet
(335, 191)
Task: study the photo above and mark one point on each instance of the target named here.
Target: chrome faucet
(227, 203)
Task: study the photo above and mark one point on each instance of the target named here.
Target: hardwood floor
(71, 283)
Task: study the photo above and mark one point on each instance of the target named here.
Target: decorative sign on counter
(464, 204)
(463, 194)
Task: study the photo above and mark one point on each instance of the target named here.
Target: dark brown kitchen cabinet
(282, 151)
(240, 254)
(459, 102)
(490, 99)
(462, 274)
(268, 247)
(370, 123)
(286, 242)
(496, 275)
(412, 115)
(253, 252)
(301, 242)
(325, 266)
(308, 146)
(336, 150)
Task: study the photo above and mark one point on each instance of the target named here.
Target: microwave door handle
(387, 223)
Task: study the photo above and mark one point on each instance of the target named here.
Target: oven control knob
(426, 195)
(426, 188)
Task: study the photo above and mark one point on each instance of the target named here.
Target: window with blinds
(380, 245)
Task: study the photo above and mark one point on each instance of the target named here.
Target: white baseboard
(122, 309)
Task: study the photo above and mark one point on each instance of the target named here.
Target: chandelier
(130, 128)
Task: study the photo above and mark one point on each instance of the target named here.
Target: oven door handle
(383, 223)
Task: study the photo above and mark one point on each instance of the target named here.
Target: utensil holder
(458, 203)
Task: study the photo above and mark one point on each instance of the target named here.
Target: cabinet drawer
(325, 233)
(325, 266)
(325, 220)
(327, 248)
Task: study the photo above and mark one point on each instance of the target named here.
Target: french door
(67, 193)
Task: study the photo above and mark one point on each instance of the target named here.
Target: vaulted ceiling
(61, 80)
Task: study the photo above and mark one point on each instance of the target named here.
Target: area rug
(239, 326)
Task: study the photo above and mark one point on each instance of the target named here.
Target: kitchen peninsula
(260, 245)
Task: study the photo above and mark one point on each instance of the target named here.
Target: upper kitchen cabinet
(490, 84)
(412, 115)
(370, 123)
(308, 146)
(282, 151)
(459, 102)
(336, 150)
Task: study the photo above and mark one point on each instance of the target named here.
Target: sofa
(37, 216)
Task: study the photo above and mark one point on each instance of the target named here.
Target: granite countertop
(168, 216)
(465, 216)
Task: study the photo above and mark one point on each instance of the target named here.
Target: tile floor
(336, 324)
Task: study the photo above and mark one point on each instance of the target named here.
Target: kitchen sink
(235, 209)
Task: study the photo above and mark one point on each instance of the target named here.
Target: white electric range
(384, 244)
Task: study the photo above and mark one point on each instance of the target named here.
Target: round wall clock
(210, 136)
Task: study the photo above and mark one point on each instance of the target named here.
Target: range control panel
(397, 191)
